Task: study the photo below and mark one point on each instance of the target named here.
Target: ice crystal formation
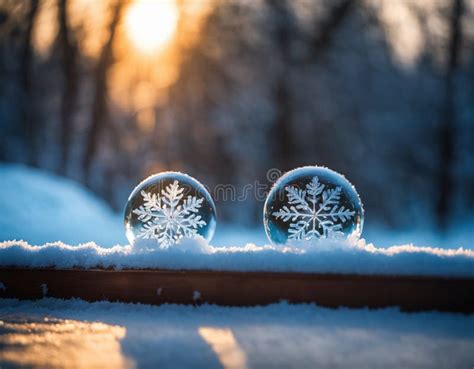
(314, 212)
(169, 217)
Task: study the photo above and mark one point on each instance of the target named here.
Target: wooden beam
(241, 288)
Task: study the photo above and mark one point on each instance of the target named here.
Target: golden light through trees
(147, 48)
(150, 24)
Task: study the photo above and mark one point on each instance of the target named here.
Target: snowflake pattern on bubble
(312, 203)
(313, 212)
(167, 207)
(165, 219)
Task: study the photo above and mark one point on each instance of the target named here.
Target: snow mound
(351, 257)
(40, 207)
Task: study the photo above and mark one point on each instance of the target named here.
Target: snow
(459, 235)
(118, 335)
(40, 207)
(351, 257)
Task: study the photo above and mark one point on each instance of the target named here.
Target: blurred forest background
(108, 92)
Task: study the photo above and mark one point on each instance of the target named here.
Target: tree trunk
(282, 141)
(99, 105)
(447, 131)
(70, 84)
(27, 103)
(329, 26)
(286, 29)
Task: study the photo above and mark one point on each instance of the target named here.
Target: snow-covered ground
(104, 335)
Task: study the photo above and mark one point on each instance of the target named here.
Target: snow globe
(312, 203)
(167, 207)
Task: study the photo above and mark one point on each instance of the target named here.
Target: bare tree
(285, 30)
(26, 67)
(99, 104)
(68, 48)
(325, 31)
(447, 131)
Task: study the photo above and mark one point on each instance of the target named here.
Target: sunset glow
(150, 24)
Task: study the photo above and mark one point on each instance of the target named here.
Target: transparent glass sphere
(311, 203)
(166, 207)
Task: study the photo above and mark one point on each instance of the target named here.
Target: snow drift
(355, 257)
(39, 207)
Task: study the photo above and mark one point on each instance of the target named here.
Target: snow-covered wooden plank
(328, 257)
(156, 287)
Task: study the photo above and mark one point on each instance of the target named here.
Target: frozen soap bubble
(166, 207)
(311, 203)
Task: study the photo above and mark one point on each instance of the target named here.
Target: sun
(150, 24)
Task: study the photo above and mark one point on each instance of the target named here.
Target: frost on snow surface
(118, 335)
(165, 219)
(326, 257)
